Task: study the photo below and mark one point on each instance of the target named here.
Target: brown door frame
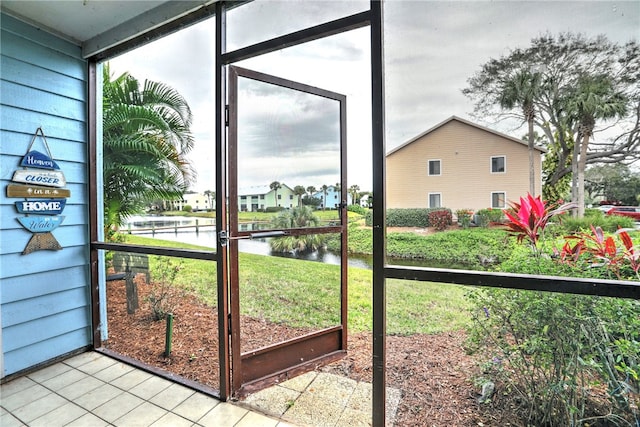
(256, 369)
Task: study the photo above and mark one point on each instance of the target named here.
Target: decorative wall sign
(45, 206)
(40, 223)
(35, 159)
(41, 216)
(40, 177)
(18, 190)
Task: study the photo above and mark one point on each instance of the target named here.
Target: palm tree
(324, 189)
(311, 190)
(299, 191)
(300, 217)
(594, 98)
(521, 91)
(210, 196)
(275, 186)
(353, 190)
(146, 136)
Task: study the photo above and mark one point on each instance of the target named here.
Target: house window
(279, 196)
(290, 196)
(262, 197)
(434, 167)
(435, 200)
(498, 200)
(498, 164)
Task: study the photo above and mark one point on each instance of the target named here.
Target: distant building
(332, 198)
(197, 201)
(458, 164)
(261, 197)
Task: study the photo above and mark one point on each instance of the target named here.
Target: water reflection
(184, 230)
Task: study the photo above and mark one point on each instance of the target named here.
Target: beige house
(197, 201)
(458, 164)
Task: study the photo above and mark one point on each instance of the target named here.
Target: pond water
(168, 228)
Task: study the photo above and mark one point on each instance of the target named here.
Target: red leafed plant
(630, 252)
(603, 250)
(528, 219)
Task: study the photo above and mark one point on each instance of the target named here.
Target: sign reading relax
(40, 178)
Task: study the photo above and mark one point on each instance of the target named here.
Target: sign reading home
(45, 206)
(39, 184)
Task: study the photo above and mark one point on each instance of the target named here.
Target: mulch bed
(432, 371)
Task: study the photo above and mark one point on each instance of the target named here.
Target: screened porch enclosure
(241, 321)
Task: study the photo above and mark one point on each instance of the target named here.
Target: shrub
(407, 217)
(311, 201)
(271, 209)
(549, 351)
(187, 208)
(414, 217)
(299, 217)
(609, 223)
(440, 219)
(368, 218)
(484, 217)
(357, 209)
(558, 352)
(160, 296)
(464, 217)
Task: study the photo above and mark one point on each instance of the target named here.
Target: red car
(633, 212)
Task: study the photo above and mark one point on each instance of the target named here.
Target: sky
(431, 50)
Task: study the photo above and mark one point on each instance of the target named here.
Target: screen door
(287, 228)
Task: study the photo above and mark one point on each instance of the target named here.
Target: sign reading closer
(40, 177)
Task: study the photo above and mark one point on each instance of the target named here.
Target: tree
(275, 186)
(614, 183)
(299, 191)
(311, 190)
(567, 58)
(324, 189)
(146, 136)
(593, 98)
(353, 190)
(311, 201)
(211, 195)
(299, 217)
(520, 91)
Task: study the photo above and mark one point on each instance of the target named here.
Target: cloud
(431, 49)
(285, 120)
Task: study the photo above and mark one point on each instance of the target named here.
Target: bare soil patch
(432, 371)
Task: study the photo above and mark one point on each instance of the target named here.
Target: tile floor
(95, 390)
(323, 399)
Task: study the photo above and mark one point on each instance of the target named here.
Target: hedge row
(407, 217)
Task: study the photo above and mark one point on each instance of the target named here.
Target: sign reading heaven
(40, 181)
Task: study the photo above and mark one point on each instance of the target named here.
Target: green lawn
(306, 294)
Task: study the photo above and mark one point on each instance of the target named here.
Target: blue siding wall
(44, 296)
